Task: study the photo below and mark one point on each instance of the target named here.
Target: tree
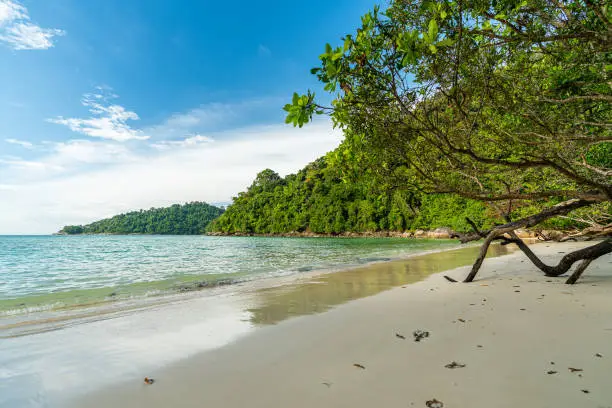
(507, 102)
(266, 180)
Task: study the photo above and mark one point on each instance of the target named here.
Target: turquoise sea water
(41, 273)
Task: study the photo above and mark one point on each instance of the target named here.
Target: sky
(108, 106)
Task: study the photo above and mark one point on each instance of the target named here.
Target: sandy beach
(514, 337)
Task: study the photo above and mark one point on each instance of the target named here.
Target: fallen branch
(497, 233)
(584, 255)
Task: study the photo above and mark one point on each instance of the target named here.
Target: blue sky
(111, 105)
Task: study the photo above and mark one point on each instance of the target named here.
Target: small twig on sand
(420, 335)
(434, 403)
(454, 364)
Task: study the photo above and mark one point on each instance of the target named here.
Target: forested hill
(186, 219)
(319, 199)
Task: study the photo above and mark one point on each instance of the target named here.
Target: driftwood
(506, 233)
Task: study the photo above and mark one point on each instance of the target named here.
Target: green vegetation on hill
(186, 219)
(321, 199)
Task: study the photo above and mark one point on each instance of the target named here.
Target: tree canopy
(500, 101)
(187, 219)
(329, 196)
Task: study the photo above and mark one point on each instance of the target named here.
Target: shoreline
(198, 286)
(59, 360)
(436, 233)
(508, 328)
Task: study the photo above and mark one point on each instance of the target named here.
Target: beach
(512, 338)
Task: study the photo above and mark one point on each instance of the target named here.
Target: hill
(323, 198)
(187, 219)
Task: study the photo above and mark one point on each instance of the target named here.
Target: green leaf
(348, 42)
(336, 56)
(433, 30)
(331, 70)
(447, 42)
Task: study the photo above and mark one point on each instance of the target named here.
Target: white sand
(308, 361)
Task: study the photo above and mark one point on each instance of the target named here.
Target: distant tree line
(187, 219)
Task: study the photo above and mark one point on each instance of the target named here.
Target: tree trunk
(586, 255)
(481, 256)
(581, 267)
(567, 261)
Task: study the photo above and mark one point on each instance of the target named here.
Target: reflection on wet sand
(322, 292)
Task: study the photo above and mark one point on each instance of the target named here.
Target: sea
(47, 273)
(79, 313)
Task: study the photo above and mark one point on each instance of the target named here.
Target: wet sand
(525, 340)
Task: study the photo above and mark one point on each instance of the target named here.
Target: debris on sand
(598, 355)
(359, 366)
(448, 278)
(420, 335)
(551, 372)
(454, 364)
(399, 336)
(148, 380)
(585, 391)
(434, 403)
(574, 370)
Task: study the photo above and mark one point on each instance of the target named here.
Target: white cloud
(210, 117)
(19, 32)
(20, 164)
(73, 152)
(187, 142)
(108, 121)
(64, 158)
(204, 117)
(21, 143)
(212, 172)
